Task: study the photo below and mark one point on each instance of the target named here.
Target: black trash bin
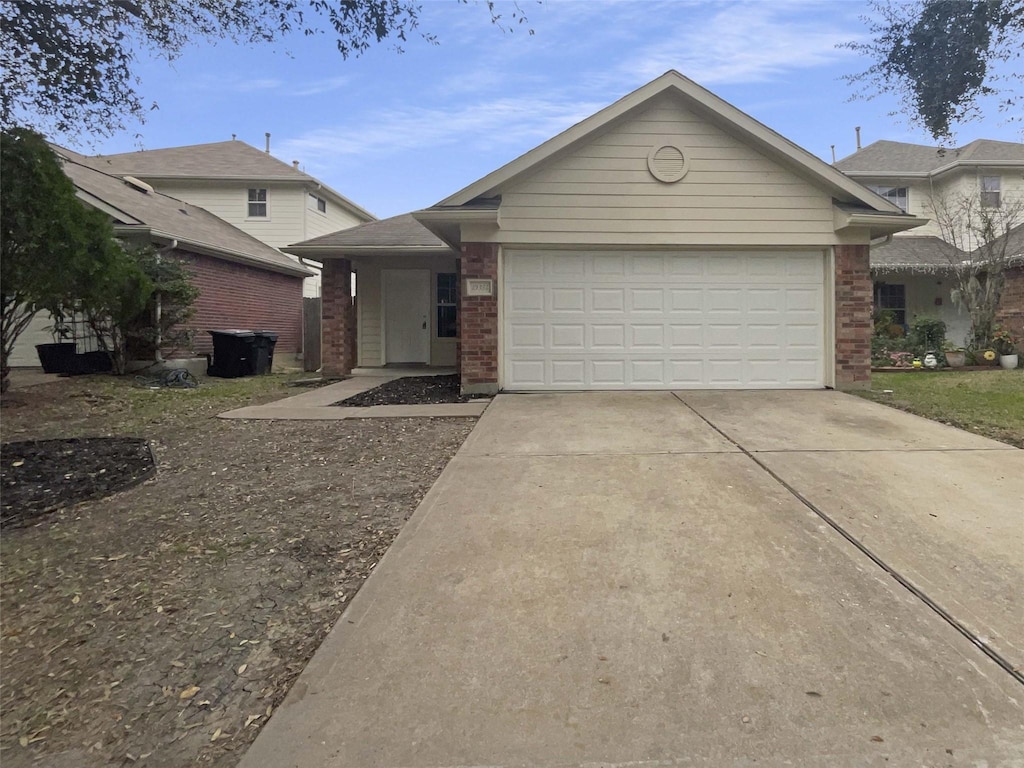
(234, 354)
(265, 343)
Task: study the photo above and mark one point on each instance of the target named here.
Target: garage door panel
(567, 337)
(656, 321)
(608, 300)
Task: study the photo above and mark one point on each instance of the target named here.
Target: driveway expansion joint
(1008, 666)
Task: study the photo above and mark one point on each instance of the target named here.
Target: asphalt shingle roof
(890, 158)
(397, 232)
(173, 217)
(233, 160)
(915, 254)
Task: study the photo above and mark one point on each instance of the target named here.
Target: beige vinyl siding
(368, 302)
(602, 193)
(336, 219)
(38, 332)
(286, 207)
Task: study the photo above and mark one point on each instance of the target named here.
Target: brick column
(337, 318)
(853, 316)
(478, 321)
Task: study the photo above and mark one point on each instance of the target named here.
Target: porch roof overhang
(328, 252)
(445, 221)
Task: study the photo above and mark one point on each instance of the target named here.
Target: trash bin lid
(272, 335)
(233, 332)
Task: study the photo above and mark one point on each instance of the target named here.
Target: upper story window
(316, 203)
(897, 195)
(991, 189)
(257, 204)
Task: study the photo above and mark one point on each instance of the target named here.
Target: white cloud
(745, 42)
(518, 122)
(321, 86)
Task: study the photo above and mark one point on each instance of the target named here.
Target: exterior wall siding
(853, 306)
(603, 194)
(239, 296)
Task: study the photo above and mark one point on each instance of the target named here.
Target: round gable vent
(666, 162)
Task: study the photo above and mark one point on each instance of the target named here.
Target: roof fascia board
(341, 251)
(207, 249)
(882, 224)
(673, 81)
(458, 215)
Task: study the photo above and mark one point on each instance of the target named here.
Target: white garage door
(737, 320)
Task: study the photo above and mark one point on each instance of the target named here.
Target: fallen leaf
(242, 668)
(604, 681)
(813, 694)
(189, 692)
(878, 739)
(23, 741)
(18, 463)
(177, 663)
(76, 600)
(216, 734)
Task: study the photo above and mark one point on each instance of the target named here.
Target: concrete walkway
(642, 579)
(318, 404)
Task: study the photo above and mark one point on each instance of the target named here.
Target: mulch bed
(411, 390)
(39, 476)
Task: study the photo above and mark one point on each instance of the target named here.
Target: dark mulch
(411, 390)
(38, 476)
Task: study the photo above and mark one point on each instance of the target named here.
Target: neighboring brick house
(273, 201)
(669, 241)
(911, 274)
(242, 282)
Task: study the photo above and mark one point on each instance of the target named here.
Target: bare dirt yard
(162, 625)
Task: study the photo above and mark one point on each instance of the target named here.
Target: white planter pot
(1009, 362)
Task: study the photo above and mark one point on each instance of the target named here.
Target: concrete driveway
(647, 579)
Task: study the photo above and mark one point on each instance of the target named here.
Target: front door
(407, 315)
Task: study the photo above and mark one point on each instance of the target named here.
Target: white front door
(407, 315)
(676, 320)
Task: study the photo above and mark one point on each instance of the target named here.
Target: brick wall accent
(478, 321)
(1011, 303)
(240, 296)
(338, 318)
(853, 316)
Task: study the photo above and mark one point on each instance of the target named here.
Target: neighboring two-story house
(249, 188)
(912, 272)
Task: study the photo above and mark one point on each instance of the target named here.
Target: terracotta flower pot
(956, 358)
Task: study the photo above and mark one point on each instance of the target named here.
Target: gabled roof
(897, 158)
(221, 160)
(134, 208)
(753, 132)
(397, 234)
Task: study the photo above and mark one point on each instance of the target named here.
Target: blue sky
(397, 132)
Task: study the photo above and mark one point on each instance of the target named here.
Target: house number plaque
(475, 287)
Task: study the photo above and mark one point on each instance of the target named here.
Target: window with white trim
(897, 195)
(892, 296)
(991, 191)
(257, 204)
(316, 203)
(447, 311)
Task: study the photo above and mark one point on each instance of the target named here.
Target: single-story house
(242, 282)
(913, 277)
(669, 241)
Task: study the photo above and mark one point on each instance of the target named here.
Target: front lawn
(989, 403)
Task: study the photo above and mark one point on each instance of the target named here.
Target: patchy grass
(123, 405)
(989, 403)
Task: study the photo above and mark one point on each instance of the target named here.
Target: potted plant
(1005, 343)
(955, 356)
(58, 357)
